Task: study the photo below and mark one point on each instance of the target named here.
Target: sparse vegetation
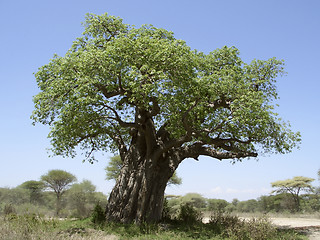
(14, 227)
(22, 216)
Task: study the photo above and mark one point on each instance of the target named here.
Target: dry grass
(29, 228)
(32, 227)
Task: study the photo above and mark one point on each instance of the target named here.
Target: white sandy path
(314, 233)
(295, 222)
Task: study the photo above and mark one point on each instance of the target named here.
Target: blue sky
(33, 31)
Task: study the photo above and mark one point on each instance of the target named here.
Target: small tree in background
(35, 190)
(189, 214)
(81, 197)
(59, 181)
(195, 200)
(293, 187)
(98, 215)
(318, 189)
(217, 205)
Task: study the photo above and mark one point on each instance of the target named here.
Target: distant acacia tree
(150, 98)
(59, 181)
(114, 167)
(194, 199)
(35, 189)
(217, 205)
(318, 188)
(293, 187)
(81, 198)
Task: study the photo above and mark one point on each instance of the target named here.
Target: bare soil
(309, 226)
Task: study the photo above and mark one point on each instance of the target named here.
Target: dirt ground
(308, 225)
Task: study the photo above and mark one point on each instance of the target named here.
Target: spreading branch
(197, 149)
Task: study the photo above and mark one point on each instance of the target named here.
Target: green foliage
(33, 185)
(98, 215)
(14, 196)
(219, 222)
(8, 209)
(81, 198)
(189, 214)
(221, 227)
(194, 199)
(175, 180)
(19, 199)
(59, 181)
(35, 189)
(91, 96)
(25, 227)
(248, 206)
(217, 205)
(78, 201)
(173, 204)
(113, 168)
(232, 227)
(142, 93)
(294, 187)
(271, 203)
(259, 229)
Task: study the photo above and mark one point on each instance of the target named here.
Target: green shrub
(220, 222)
(188, 214)
(233, 227)
(9, 209)
(255, 229)
(166, 212)
(98, 215)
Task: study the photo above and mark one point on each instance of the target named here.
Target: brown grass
(19, 228)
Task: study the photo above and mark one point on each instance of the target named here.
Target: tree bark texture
(139, 192)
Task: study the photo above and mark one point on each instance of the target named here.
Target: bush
(220, 222)
(8, 209)
(235, 228)
(98, 215)
(166, 212)
(259, 229)
(188, 214)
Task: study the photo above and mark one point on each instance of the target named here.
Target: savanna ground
(309, 226)
(218, 227)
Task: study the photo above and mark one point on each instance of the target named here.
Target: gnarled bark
(139, 191)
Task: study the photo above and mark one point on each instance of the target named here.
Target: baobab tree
(148, 97)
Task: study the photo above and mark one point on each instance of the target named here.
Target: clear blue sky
(32, 31)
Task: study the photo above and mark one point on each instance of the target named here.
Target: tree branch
(172, 143)
(155, 107)
(197, 149)
(119, 120)
(108, 94)
(116, 138)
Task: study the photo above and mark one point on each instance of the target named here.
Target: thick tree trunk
(139, 191)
